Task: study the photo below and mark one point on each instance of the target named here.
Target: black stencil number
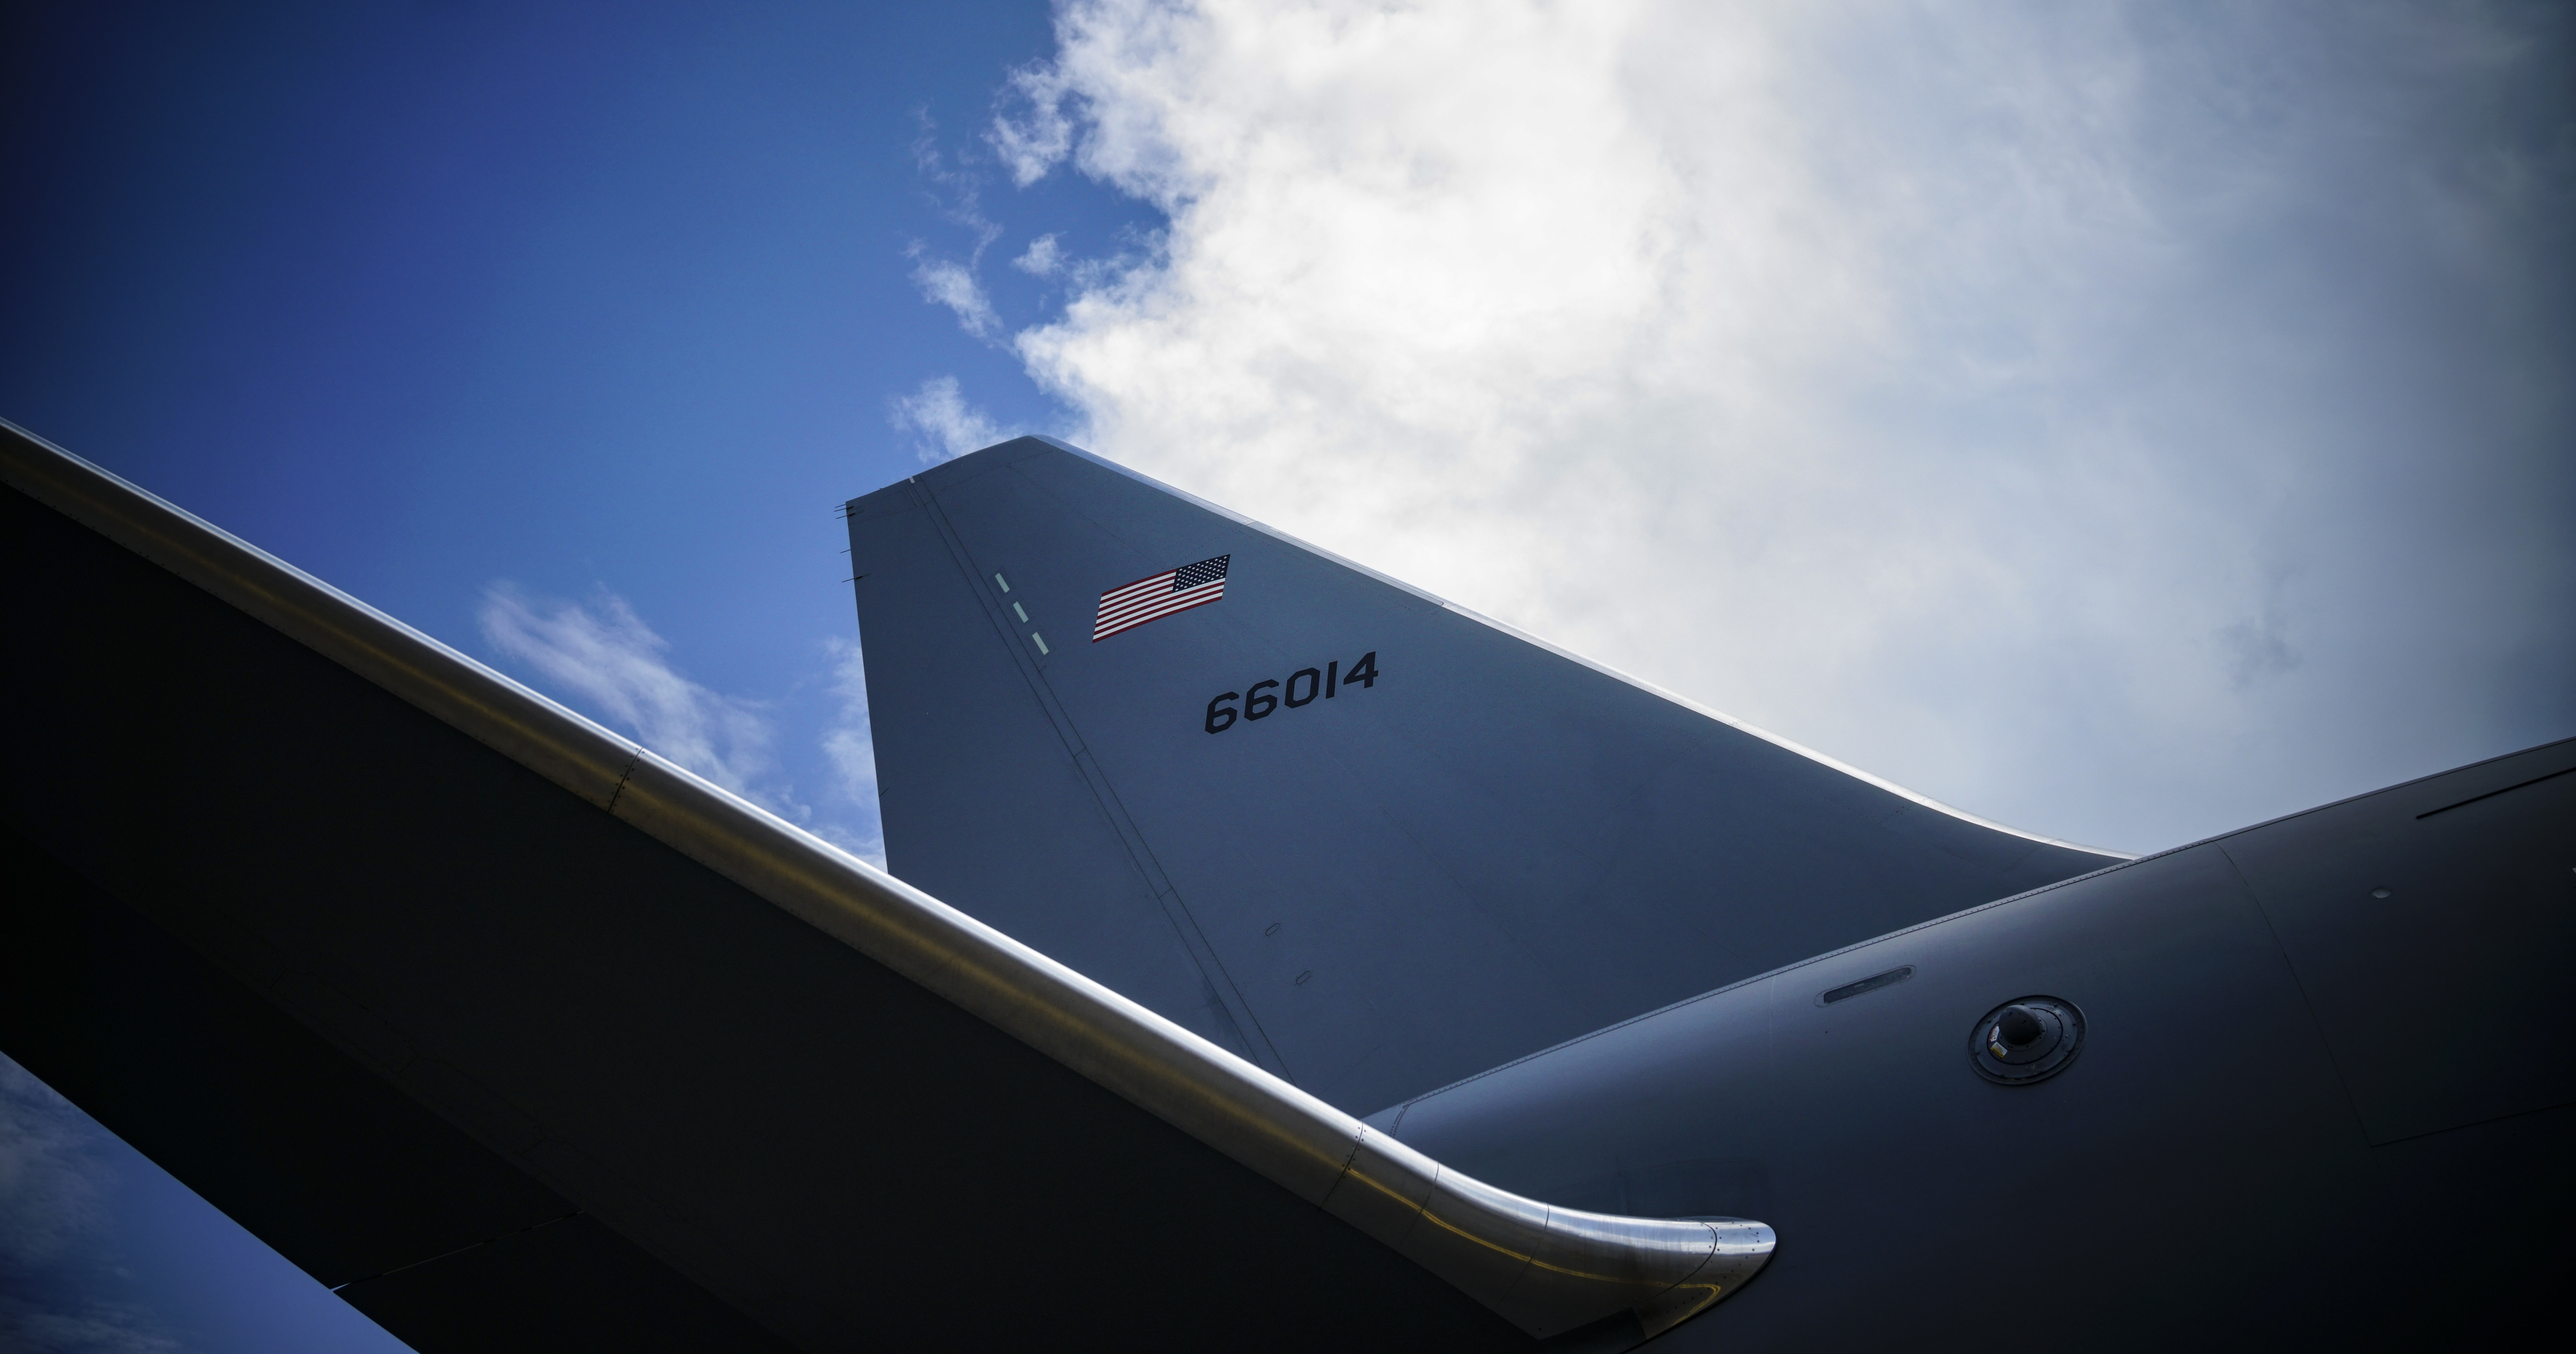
(1303, 688)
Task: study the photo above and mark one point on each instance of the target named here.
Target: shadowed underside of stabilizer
(521, 1037)
(1370, 840)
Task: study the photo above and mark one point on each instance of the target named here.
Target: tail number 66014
(1302, 688)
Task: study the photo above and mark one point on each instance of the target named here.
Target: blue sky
(2124, 421)
(584, 300)
(590, 301)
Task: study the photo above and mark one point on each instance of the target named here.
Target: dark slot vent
(1869, 984)
(2493, 793)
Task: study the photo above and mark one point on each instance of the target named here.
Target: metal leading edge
(1548, 1270)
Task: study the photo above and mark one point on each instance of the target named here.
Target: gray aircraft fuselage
(2321, 1095)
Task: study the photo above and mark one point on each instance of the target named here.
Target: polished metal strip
(1545, 1269)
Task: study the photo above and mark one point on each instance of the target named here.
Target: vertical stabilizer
(1370, 840)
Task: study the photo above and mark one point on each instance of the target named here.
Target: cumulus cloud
(948, 424)
(2123, 423)
(604, 656)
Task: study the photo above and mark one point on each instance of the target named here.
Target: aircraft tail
(1372, 841)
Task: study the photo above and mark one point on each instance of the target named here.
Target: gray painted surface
(2301, 1112)
(1492, 848)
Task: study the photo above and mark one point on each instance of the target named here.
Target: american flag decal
(1153, 598)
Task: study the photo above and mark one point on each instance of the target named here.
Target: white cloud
(951, 284)
(2124, 424)
(853, 754)
(1032, 144)
(607, 658)
(959, 193)
(1042, 258)
(950, 425)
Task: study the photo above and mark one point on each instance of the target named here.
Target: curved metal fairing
(1548, 1269)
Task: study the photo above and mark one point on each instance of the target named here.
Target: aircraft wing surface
(1372, 841)
(520, 1037)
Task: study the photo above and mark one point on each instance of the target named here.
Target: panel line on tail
(1255, 1040)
